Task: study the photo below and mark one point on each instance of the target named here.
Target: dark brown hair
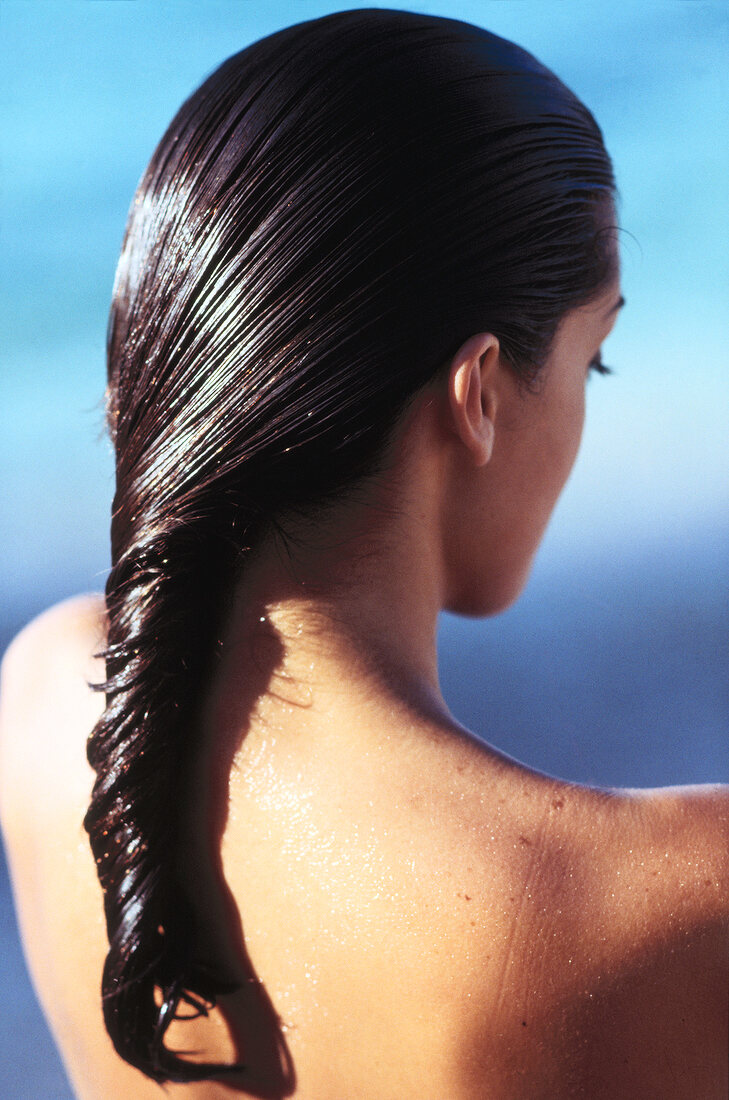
(326, 219)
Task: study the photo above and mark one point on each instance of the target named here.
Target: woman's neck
(346, 603)
(330, 643)
(343, 608)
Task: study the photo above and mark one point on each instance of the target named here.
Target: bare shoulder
(658, 943)
(69, 627)
(617, 960)
(47, 710)
(658, 862)
(46, 703)
(685, 809)
(684, 832)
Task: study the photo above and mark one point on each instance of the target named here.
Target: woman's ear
(472, 394)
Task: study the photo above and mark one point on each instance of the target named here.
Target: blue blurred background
(613, 666)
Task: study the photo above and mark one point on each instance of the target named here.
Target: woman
(364, 279)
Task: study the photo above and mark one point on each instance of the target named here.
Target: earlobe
(472, 395)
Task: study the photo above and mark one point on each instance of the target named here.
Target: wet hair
(328, 217)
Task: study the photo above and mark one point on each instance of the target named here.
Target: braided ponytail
(326, 220)
(160, 595)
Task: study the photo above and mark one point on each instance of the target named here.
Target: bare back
(421, 918)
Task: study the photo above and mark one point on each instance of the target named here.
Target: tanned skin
(428, 918)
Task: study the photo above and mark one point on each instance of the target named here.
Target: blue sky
(87, 88)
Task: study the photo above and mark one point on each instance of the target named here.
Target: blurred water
(616, 678)
(30, 1068)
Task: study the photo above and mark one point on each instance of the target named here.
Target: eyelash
(598, 366)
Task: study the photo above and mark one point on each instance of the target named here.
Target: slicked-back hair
(328, 217)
